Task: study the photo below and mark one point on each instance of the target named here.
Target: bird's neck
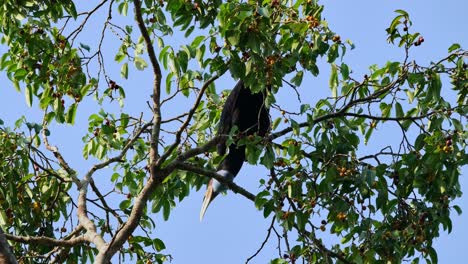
(219, 187)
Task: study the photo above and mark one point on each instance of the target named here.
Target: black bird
(248, 112)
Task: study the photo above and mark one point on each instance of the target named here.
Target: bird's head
(214, 188)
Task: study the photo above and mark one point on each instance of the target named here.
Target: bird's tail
(214, 188)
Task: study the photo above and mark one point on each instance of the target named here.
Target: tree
(386, 205)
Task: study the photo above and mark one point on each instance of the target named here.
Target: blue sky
(233, 228)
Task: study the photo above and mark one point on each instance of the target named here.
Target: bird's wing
(229, 115)
(264, 122)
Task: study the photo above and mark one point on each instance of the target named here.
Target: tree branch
(198, 150)
(230, 184)
(42, 240)
(60, 158)
(6, 255)
(156, 85)
(91, 233)
(339, 113)
(264, 241)
(127, 229)
(104, 203)
(187, 121)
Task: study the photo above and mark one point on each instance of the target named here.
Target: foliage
(384, 206)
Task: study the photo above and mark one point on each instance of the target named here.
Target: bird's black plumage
(248, 112)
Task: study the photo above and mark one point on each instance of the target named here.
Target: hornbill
(248, 112)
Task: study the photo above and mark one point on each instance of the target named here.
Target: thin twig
(187, 121)
(264, 241)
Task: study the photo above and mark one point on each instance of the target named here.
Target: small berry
(336, 38)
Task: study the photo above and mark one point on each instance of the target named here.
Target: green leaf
(410, 95)
(71, 114)
(125, 204)
(101, 151)
(158, 244)
(344, 71)
(189, 31)
(124, 119)
(268, 158)
(458, 209)
(402, 12)
(166, 210)
(297, 79)
(20, 74)
(333, 53)
(260, 200)
(399, 110)
(84, 46)
(454, 47)
(333, 82)
(419, 142)
(182, 58)
(140, 63)
(279, 261)
(268, 207)
(298, 28)
(253, 43)
(17, 86)
(123, 8)
(196, 42)
(160, 42)
(263, 11)
(124, 71)
(368, 135)
(115, 176)
(237, 68)
(386, 109)
(29, 95)
(433, 255)
(199, 54)
(174, 65)
(435, 87)
(276, 122)
(70, 8)
(48, 118)
(163, 55)
(168, 82)
(233, 37)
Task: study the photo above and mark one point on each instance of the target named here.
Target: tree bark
(6, 255)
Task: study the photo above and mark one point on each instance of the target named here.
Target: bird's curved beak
(209, 196)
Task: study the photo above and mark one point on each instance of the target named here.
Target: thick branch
(156, 83)
(91, 233)
(231, 185)
(157, 176)
(42, 240)
(6, 255)
(82, 212)
(153, 182)
(127, 229)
